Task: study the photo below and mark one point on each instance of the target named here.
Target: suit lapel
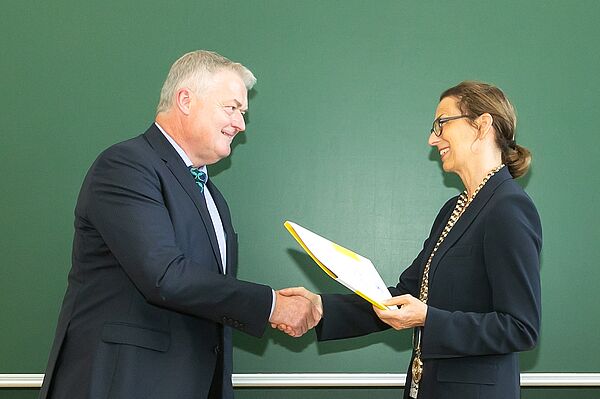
(468, 217)
(436, 234)
(225, 215)
(221, 206)
(176, 165)
(436, 231)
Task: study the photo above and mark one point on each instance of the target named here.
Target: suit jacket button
(217, 349)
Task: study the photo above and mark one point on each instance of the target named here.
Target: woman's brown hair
(477, 98)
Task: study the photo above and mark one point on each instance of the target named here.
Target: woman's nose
(433, 139)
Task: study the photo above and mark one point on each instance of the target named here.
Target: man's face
(215, 118)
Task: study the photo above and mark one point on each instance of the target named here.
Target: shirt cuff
(272, 303)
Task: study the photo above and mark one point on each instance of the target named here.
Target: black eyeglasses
(436, 128)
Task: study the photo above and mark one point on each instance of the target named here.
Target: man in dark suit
(152, 293)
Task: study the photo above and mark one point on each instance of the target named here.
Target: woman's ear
(484, 125)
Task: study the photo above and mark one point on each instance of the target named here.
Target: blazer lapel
(176, 165)
(230, 237)
(468, 216)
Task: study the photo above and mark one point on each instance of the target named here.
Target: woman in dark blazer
(472, 295)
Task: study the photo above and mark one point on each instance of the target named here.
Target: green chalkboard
(337, 141)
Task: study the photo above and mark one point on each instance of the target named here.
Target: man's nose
(237, 121)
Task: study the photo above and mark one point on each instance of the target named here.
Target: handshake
(297, 310)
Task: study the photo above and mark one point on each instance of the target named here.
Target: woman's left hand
(411, 312)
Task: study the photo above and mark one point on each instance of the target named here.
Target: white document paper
(343, 265)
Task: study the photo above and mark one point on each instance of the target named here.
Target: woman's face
(454, 143)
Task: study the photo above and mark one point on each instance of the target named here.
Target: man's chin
(224, 153)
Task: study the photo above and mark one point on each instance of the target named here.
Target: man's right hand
(308, 320)
(295, 314)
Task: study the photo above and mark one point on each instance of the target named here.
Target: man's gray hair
(194, 70)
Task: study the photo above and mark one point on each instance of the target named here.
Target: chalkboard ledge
(340, 380)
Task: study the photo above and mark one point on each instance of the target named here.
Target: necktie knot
(199, 176)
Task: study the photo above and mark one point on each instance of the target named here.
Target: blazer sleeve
(511, 247)
(128, 209)
(347, 316)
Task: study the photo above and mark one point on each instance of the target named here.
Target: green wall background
(337, 141)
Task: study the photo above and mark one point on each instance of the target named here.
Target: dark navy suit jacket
(148, 310)
(484, 297)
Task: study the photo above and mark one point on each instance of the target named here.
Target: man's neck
(174, 129)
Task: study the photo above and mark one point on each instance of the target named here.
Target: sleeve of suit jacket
(511, 248)
(128, 209)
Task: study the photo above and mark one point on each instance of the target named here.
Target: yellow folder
(343, 265)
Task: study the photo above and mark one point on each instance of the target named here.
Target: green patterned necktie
(199, 176)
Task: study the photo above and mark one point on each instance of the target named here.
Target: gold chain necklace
(461, 205)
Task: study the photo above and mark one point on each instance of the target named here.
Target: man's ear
(485, 125)
(183, 100)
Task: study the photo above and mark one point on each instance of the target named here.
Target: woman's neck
(474, 174)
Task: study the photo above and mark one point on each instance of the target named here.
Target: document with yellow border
(341, 264)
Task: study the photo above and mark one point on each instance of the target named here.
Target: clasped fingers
(295, 314)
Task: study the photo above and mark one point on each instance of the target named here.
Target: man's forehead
(230, 84)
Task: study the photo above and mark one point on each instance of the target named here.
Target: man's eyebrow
(239, 104)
